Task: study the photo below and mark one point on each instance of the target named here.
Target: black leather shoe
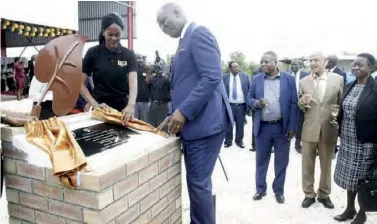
(258, 196)
(346, 215)
(226, 145)
(326, 202)
(241, 145)
(360, 219)
(252, 149)
(308, 202)
(280, 198)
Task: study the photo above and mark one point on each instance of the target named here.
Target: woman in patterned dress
(358, 134)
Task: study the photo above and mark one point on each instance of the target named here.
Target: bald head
(317, 61)
(295, 65)
(171, 19)
(332, 61)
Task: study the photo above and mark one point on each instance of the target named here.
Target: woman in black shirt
(114, 70)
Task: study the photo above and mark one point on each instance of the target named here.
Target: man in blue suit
(273, 97)
(200, 110)
(332, 66)
(298, 74)
(237, 86)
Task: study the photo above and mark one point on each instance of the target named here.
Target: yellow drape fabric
(111, 115)
(53, 137)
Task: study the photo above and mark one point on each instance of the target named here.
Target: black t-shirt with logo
(110, 73)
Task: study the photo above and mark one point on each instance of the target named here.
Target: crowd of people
(16, 77)
(193, 99)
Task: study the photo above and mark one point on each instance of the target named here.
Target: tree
(240, 58)
(168, 59)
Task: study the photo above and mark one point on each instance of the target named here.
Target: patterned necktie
(234, 91)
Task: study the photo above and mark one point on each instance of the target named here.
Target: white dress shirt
(240, 96)
(297, 77)
(36, 90)
(185, 29)
(332, 69)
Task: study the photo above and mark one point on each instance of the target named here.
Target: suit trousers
(300, 123)
(142, 110)
(252, 132)
(309, 154)
(157, 113)
(200, 157)
(271, 135)
(239, 116)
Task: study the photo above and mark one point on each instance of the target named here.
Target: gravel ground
(234, 198)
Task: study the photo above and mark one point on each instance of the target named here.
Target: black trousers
(3, 85)
(157, 113)
(11, 84)
(252, 134)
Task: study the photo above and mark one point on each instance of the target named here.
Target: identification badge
(122, 63)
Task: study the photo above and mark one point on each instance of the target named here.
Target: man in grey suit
(298, 74)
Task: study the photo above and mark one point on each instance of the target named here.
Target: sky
(291, 28)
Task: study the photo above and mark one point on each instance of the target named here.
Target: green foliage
(168, 59)
(240, 58)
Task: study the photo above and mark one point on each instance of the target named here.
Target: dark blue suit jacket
(288, 100)
(303, 74)
(245, 83)
(198, 90)
(342, 73)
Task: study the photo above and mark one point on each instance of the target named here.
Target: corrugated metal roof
(91, 12)
(17, 40)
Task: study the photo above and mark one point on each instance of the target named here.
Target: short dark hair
(273, 54)
(230, 64)
(370, 59)
(16, 59)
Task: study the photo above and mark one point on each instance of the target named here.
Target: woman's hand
(102, 105)
(128, 113)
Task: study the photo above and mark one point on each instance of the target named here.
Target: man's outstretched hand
(175, 123)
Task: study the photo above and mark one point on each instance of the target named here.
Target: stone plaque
(100, 137)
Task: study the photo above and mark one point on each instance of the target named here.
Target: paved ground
(234, 198)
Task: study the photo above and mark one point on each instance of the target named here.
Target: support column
(130, 24)
(3, 44)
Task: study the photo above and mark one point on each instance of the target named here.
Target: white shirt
(297, 76)
(185, 29)
(322, 82)
(374, 74)
(240, 96)
(36, 90)
(332, 69)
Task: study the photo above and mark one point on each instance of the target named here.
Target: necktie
(234, 91)
(320, 93)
